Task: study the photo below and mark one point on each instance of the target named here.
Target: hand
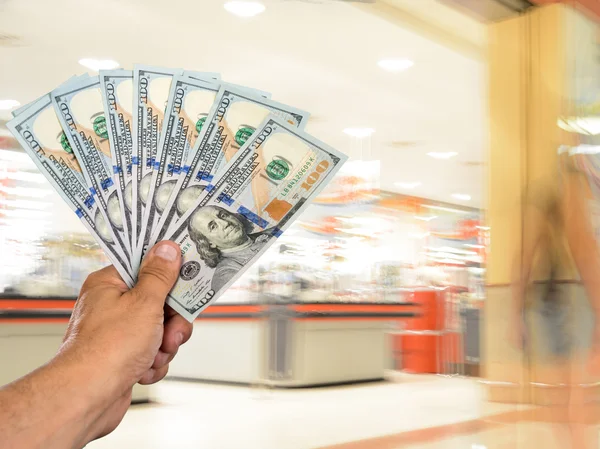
(129, 335)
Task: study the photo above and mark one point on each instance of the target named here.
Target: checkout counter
(292, 344)
(274, 343)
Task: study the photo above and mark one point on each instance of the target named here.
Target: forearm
(56, 406)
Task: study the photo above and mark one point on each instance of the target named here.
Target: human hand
(130, 336)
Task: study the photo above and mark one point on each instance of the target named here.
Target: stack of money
(151, 154)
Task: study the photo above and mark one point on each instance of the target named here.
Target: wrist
(91, 387)
(94, 378)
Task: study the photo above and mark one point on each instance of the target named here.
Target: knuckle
(162, 274)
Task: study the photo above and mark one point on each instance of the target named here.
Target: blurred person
(224, 241)
(557, 231)
(116, 338)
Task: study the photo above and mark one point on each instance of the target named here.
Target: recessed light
(442, 154)
(408, 185)
(359, 132)
(244, 9)
(7, 105)
(428, 218)
(99, 64)
(461, 196)
(395, 65)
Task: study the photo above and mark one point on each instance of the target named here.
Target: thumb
(159, 271)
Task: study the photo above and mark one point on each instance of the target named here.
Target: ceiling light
(589, 126)
(14, 156)
(461, 196)
(99, 64)
(442, 155)
(24, 213)
(359, 132)
(32, 192)
(26, 204)
(23, 176)
(395, 65)
(447, 209)
(584, 149)
(408, 185)
(7, 105)
(429, 218)
(244, 9)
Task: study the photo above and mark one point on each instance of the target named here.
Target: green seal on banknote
(278, 169)
(100, 127)
(199, 124)
(64, 142)
(243, 134)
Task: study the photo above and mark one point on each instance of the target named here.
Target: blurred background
(380, 318)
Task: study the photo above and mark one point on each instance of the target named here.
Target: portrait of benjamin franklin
(224, 241)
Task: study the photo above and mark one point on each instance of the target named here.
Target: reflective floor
(411, 412)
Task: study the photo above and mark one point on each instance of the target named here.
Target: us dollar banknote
(151, 92)
(117, 97)
(39, 132)
(233, 118)
(189, 102)
(261, 191)
(80, 111)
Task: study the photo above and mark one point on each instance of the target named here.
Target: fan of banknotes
(152, 153)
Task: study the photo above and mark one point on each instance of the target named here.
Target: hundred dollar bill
(40, 134)
(189, 102)
(80, 112)
(117, 97)
(233, 118)
(261, 191)
(151, 92)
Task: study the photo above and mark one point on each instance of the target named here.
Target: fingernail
(166, 252)
(179, 338)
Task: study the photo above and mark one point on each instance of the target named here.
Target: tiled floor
(423, 412)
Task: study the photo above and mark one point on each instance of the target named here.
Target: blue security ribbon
(106, 183)
(257, 220)
(225, 199)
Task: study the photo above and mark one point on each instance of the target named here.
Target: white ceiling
(320, 56)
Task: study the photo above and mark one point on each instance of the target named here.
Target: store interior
(382, 279)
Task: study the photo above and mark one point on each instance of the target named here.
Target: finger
(178, 330)
(163, 358)
(158, 273)
(106, 276)
(154, 375)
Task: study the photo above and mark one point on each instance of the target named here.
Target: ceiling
(320, 56)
